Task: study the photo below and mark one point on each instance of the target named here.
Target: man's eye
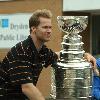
(46, 27)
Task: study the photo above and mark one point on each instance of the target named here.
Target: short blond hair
(34, 19)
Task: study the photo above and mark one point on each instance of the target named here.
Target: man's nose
(49, 30)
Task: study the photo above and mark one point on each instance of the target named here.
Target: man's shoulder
(22, 47)
(98, 62)
(21, 51)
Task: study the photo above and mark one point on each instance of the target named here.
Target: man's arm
(58, 54)
(92, 60)
(31, 92)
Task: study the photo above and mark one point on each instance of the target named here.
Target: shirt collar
(32, 45)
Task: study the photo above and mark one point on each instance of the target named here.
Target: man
(96, 81)
(23, 64)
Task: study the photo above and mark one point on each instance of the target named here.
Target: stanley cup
(71, 76)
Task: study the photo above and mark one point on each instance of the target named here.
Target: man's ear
(33, 29)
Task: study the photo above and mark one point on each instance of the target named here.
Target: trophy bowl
(72, 24)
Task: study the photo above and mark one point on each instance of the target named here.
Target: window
(96, 35)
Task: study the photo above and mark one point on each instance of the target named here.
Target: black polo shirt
(23, 64)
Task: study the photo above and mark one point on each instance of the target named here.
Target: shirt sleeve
(96, 88)
(96, 94)
(20, 74)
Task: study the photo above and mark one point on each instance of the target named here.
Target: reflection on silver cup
(71, 75)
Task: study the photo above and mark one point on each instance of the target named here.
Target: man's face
(43, 30)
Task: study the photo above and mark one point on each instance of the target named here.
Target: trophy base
(70, 99)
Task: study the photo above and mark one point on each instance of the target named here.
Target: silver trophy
(71, 75)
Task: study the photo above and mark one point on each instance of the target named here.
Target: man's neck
(38, 44)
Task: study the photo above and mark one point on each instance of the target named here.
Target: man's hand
(31, 92)
(92, 60)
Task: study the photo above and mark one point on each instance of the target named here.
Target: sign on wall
(13, 28)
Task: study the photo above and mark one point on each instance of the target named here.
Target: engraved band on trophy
(71, 75)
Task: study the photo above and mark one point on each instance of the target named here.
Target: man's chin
(47, 40)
